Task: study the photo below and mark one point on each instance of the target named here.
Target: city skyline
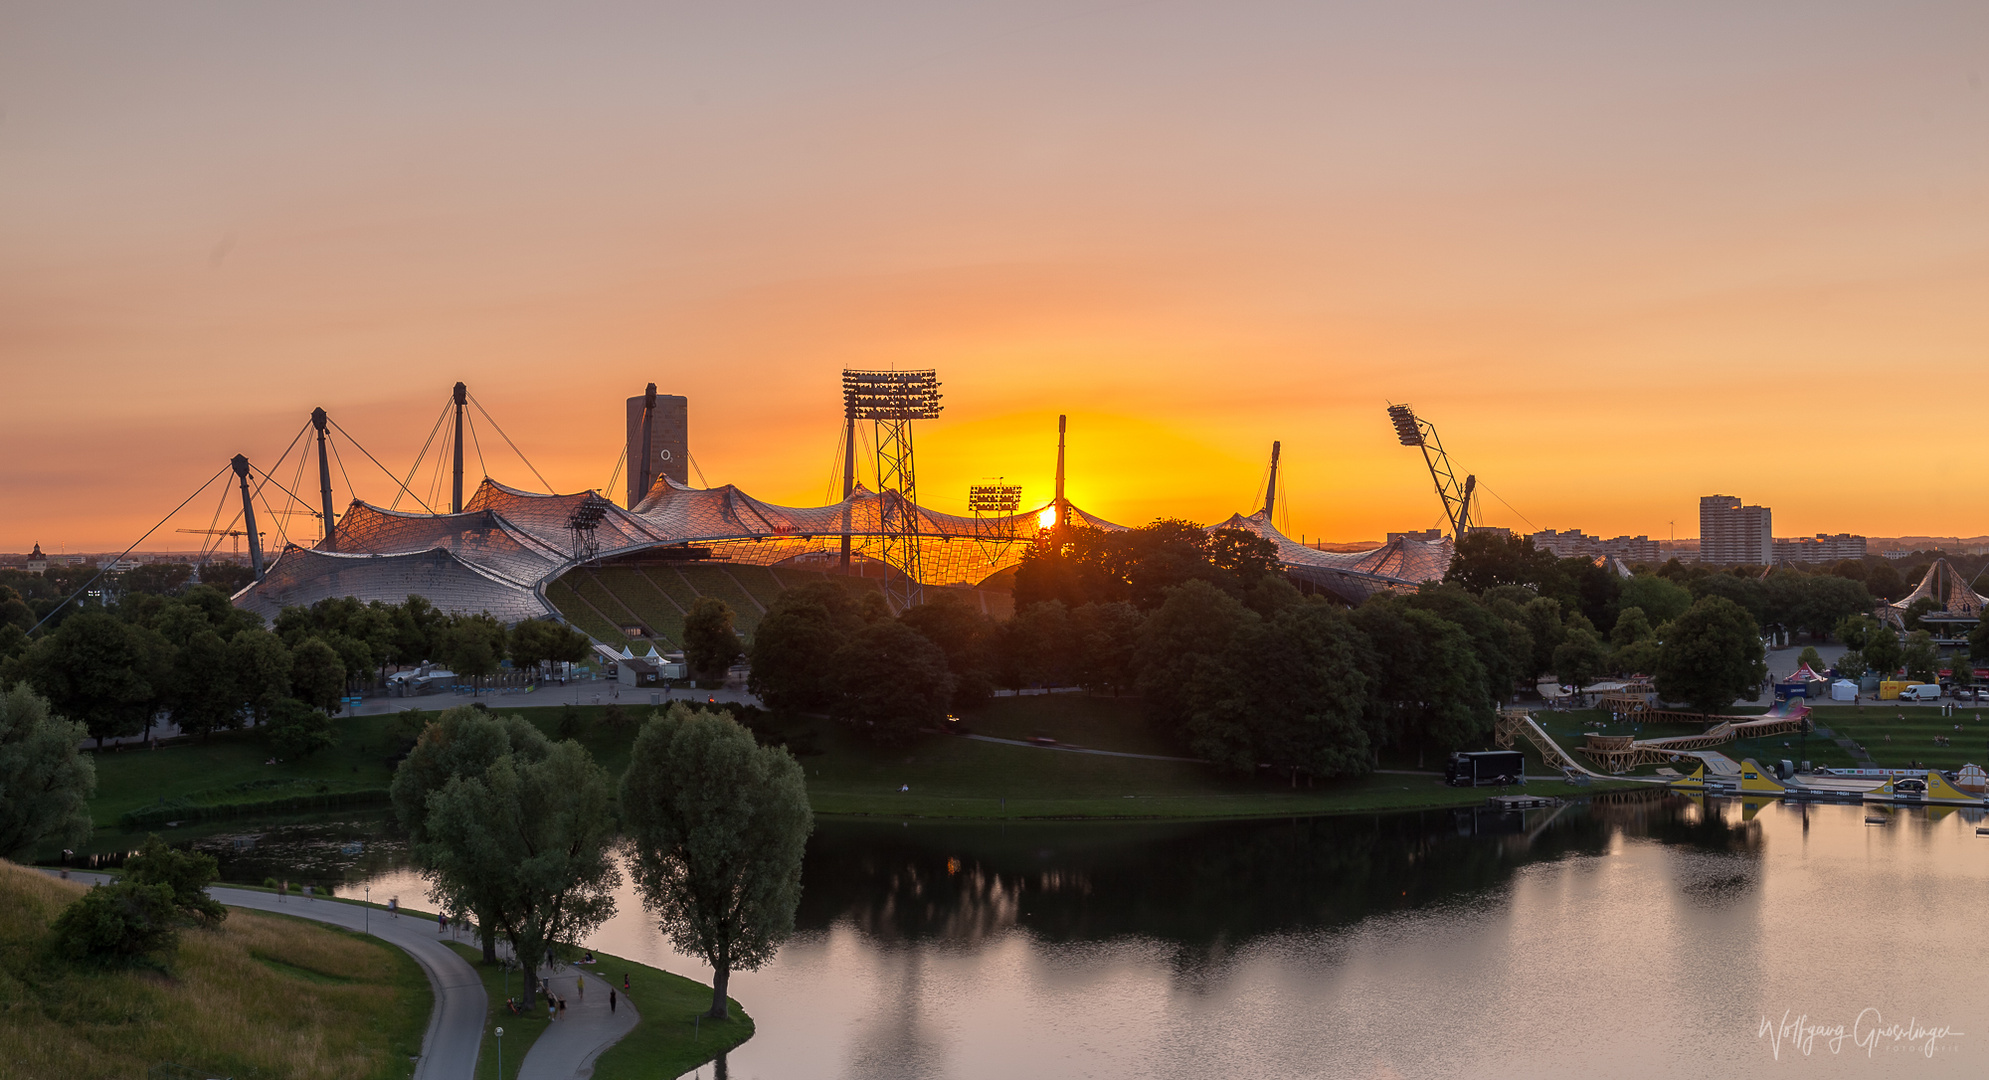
(1192, 229)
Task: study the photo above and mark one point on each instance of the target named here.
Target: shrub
(186, 873)
(117, 924)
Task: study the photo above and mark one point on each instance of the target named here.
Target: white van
(1921, 692)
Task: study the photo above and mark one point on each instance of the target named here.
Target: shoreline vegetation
(227, 776)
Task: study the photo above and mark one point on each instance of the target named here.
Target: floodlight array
(1406, 428)
(891, 395)
(994, 498)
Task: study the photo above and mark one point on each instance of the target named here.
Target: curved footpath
(567, 1049)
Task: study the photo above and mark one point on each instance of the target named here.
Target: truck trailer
(1485, 767)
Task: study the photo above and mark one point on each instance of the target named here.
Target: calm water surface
(1632, 936)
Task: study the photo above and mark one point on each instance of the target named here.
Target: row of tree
(211, 666)
(519, 831)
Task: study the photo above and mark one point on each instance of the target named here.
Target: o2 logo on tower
(663, 454)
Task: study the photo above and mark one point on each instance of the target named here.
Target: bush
(118, 924)
(186, 873)
(572, 722)
(296, 730)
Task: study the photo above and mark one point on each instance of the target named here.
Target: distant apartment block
(1821, 548)
(1573, 543)
(1427, 536)
(1732, 534)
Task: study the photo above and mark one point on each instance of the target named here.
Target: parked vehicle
(1485, 767)
(1921, 692)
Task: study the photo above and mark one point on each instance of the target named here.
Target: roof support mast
(1061, 509)
(1456, 497)
(318, 420)
(644, 477)
(241, 465)
(1271, 489)
(849, 472)
(456, 496)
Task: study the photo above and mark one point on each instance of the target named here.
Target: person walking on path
(624, 982)
(580, 987)
(611, 999)
(441, 924)
(562, 1008)
(283, 891)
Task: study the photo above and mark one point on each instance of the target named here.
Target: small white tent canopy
(1843, 690)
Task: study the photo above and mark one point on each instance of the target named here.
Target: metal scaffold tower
(992, 504)
(891, 401)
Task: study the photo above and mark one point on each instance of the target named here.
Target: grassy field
(1896, 735)
(264, 995)
(946, 776)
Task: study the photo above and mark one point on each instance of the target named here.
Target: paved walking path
(567, 1049)
(1081, 750)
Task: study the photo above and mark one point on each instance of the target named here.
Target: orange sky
(1621, 258)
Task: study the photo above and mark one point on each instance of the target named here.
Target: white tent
(1843, 690)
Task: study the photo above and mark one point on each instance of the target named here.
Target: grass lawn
(520, 1032)
(1893, 741)
(947, 776)
(668, 1042)
(263, 995)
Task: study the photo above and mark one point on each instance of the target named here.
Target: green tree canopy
(102, 671)
(794, 648)
(1078, 565)
(186, 873)
(1921, 657)
(317, 675)
(1427, 691)
(1711, 655)
(548, 820)
(297, 731)
(45, 785)
(1660, 599)
(261, 667)
(717, 826)
(965, 636)
(892, 681)
(710, 643)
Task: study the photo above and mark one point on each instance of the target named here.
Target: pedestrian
(580, 987)
(624, 982)
(394, 907)
(611, 999)
(562, 1007)
(550, 1016)
(441, 924)
(283, 891)
(307, 892)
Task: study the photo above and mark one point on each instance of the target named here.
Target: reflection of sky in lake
(1618, 940)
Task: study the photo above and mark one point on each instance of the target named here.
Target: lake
(1644, 934)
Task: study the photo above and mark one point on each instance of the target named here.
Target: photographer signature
(1869, 1032)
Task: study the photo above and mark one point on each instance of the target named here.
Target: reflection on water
(1640, 934)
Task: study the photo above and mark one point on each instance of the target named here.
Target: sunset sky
(1622, 255)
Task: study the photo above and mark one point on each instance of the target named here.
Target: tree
(1916, 609)
(1580, 657)
(710, 645)
(1921, 657)
(539, 641)
(1492, 636)
(1548, 628)
(1810, 658)
(45, 785)
(297, 731)
(1882, 649)
(1077, 565)
(795, 646)
(1295, 697)
(101, 671)
(472, 645)
(1105, 639)
(1632, 626)
(317, 675)
(1885, 583)
(202, 690)
(261, 667)
(717, 826)
(463, 741)
(548, 818)
(186, 873)
(1711, 655)
(1184, 651)
(1851, 665)
(1428, 689)
(1483, 561)
(1038, 647)
(964, 636)
(892, 681)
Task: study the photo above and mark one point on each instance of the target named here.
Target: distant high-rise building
(1427, 536)
(1732, 534)
(1821, 548)
(1574, 542)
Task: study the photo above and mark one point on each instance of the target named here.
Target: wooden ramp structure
(1621, 753)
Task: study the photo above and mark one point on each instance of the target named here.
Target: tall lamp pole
(369, 909)
(500, 1053)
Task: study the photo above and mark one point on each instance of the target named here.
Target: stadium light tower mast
(1456, 497)
(891, 400)
(456, 497)
(318, 421)
(241, 464)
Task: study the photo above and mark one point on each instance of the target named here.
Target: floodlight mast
(891, 401)
(1420, 433)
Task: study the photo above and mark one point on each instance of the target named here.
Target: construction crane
(236, 533)
(1420, 433)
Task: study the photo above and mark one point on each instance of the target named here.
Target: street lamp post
(500, 1053)
(369, 909)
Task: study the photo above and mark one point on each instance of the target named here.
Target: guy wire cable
(101, 571)
(411, 469)
(382, 468)
(514, 446)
